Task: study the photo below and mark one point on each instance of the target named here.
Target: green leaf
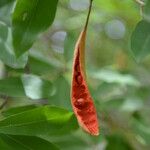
(29, 19)
(15, 110)
(15, 142)
(44, 120)
(140, 40)
(62, 95)
(5, 2)
(69, 45)
(78, 140)
(5, 12)
(117, 142)
(132, 104)
(141, 128)
(6, 50)
(31, 86)
(12, 87)
(146, 11)
(36, 88)
(112, 76)
(40, 65)
(3, 31)
(70, 142)
(7, 57)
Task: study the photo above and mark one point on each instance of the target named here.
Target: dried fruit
(82, 102)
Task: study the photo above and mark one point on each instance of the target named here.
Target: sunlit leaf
(36, 88)
(44, 120)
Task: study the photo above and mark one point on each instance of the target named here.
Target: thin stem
(88, 16)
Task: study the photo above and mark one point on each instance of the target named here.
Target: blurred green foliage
(118, 74)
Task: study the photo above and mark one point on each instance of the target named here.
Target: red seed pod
(82, 102)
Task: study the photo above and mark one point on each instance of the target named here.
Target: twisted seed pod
(82, 102)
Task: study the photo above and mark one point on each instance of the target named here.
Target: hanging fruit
(82, 102)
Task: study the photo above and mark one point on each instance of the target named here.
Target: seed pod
(82, 102)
